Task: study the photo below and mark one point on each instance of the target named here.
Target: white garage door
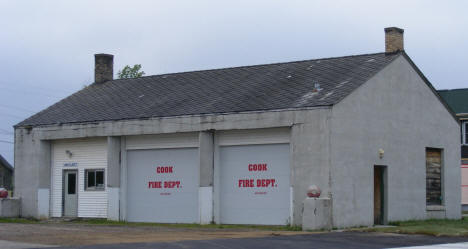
(163, 185)
(255, 185)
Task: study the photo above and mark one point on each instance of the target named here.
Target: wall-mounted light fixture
(381, 153)
(69, 153)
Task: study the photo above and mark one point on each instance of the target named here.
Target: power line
(15, 116)
(7, 85)
(31, 92)
(6, 131)
(5, 141)
(16, 108)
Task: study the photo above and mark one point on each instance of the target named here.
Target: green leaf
(130, 72)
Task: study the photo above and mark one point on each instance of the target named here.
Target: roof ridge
(256, 65)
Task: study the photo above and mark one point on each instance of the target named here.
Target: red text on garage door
(258, 167)
(259, 183)
(166, 184)
(164, 169)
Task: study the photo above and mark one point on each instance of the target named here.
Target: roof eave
(177, 116)
(6, 163)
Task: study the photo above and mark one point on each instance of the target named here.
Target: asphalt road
(318, 241)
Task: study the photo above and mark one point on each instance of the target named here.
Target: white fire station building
(241, 145)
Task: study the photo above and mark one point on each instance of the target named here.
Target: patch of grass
(180, 225)
(19, 220)
(428, 227)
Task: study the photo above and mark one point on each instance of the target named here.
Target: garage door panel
(255, 186)
(149, 198)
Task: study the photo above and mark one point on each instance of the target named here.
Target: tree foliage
(130, 72)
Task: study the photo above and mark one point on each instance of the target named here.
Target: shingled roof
(457, 99)
(5, 163)
(229, 90)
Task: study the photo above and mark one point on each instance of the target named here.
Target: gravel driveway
(72, 234)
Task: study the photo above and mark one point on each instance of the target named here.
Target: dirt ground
(72, 234)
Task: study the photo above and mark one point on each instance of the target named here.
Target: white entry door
(70, 205)
(255, 186)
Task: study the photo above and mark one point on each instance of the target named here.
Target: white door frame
(65, 188)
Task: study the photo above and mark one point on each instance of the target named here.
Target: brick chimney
(103, 68)
(393, 40)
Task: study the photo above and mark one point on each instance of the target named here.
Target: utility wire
(35, 92)
(16, 108)
(6, 85)
(7, 142)
(5, 130)
(15, 116)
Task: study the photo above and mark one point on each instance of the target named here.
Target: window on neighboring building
(465, 132)
(433, 176)
(94, 179)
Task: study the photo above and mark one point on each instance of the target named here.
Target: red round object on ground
(313, 191)
(313, 195)
(3, 193)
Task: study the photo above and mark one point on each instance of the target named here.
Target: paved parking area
(349, 240)
(5, 244)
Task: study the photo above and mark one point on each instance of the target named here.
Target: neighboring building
(6, 174)
(241, 145)
(457, 99)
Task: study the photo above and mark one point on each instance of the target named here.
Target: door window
(71, 183)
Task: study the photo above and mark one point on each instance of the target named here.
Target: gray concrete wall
(113, 177)
(397, 112)
(32, 170)
(113, 162)
(206, 152)
(310, 143)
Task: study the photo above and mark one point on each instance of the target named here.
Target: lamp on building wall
(69, 153)
(381, 153)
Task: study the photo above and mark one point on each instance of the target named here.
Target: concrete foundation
(10, 207)
(316, 214)
(435, 212)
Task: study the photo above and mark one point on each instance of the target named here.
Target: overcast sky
(47, 47)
